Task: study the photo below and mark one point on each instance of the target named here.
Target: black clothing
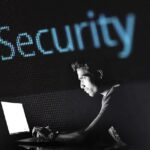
(125, 115)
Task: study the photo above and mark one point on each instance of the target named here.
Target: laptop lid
(15, 118)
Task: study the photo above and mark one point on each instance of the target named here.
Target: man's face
(86, 83)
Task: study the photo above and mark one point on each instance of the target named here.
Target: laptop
(17, 124)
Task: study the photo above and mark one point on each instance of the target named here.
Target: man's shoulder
(116, 85)
(119, 95)
(118, 91)
(115, 88)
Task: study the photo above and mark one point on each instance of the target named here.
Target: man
(90, 82)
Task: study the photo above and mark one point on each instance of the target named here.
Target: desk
(12, 146)
(54, 148)
(94, 147)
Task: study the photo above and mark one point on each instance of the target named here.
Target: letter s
(7, 44)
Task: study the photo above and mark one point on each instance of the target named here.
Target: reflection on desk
(27, 147)
(94, 147)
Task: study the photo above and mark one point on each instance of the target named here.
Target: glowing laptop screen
(15, 117)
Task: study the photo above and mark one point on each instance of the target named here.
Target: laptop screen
(15, 117)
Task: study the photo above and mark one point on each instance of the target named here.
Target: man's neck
(104, 93)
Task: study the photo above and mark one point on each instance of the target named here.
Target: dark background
(46, 85)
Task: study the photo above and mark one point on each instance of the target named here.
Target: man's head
(89, 79)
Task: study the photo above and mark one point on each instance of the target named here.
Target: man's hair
(96, 73)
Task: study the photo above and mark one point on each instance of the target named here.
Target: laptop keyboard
(38, 140)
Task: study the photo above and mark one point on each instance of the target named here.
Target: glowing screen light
(15, 117)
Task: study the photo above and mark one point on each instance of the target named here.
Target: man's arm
(45, 133)
(105, 104)
(80, 135)
(73, 137)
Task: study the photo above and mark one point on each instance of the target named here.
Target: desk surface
(94, 147)
(26, 147)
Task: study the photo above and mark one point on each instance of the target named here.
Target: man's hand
(44, 133)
